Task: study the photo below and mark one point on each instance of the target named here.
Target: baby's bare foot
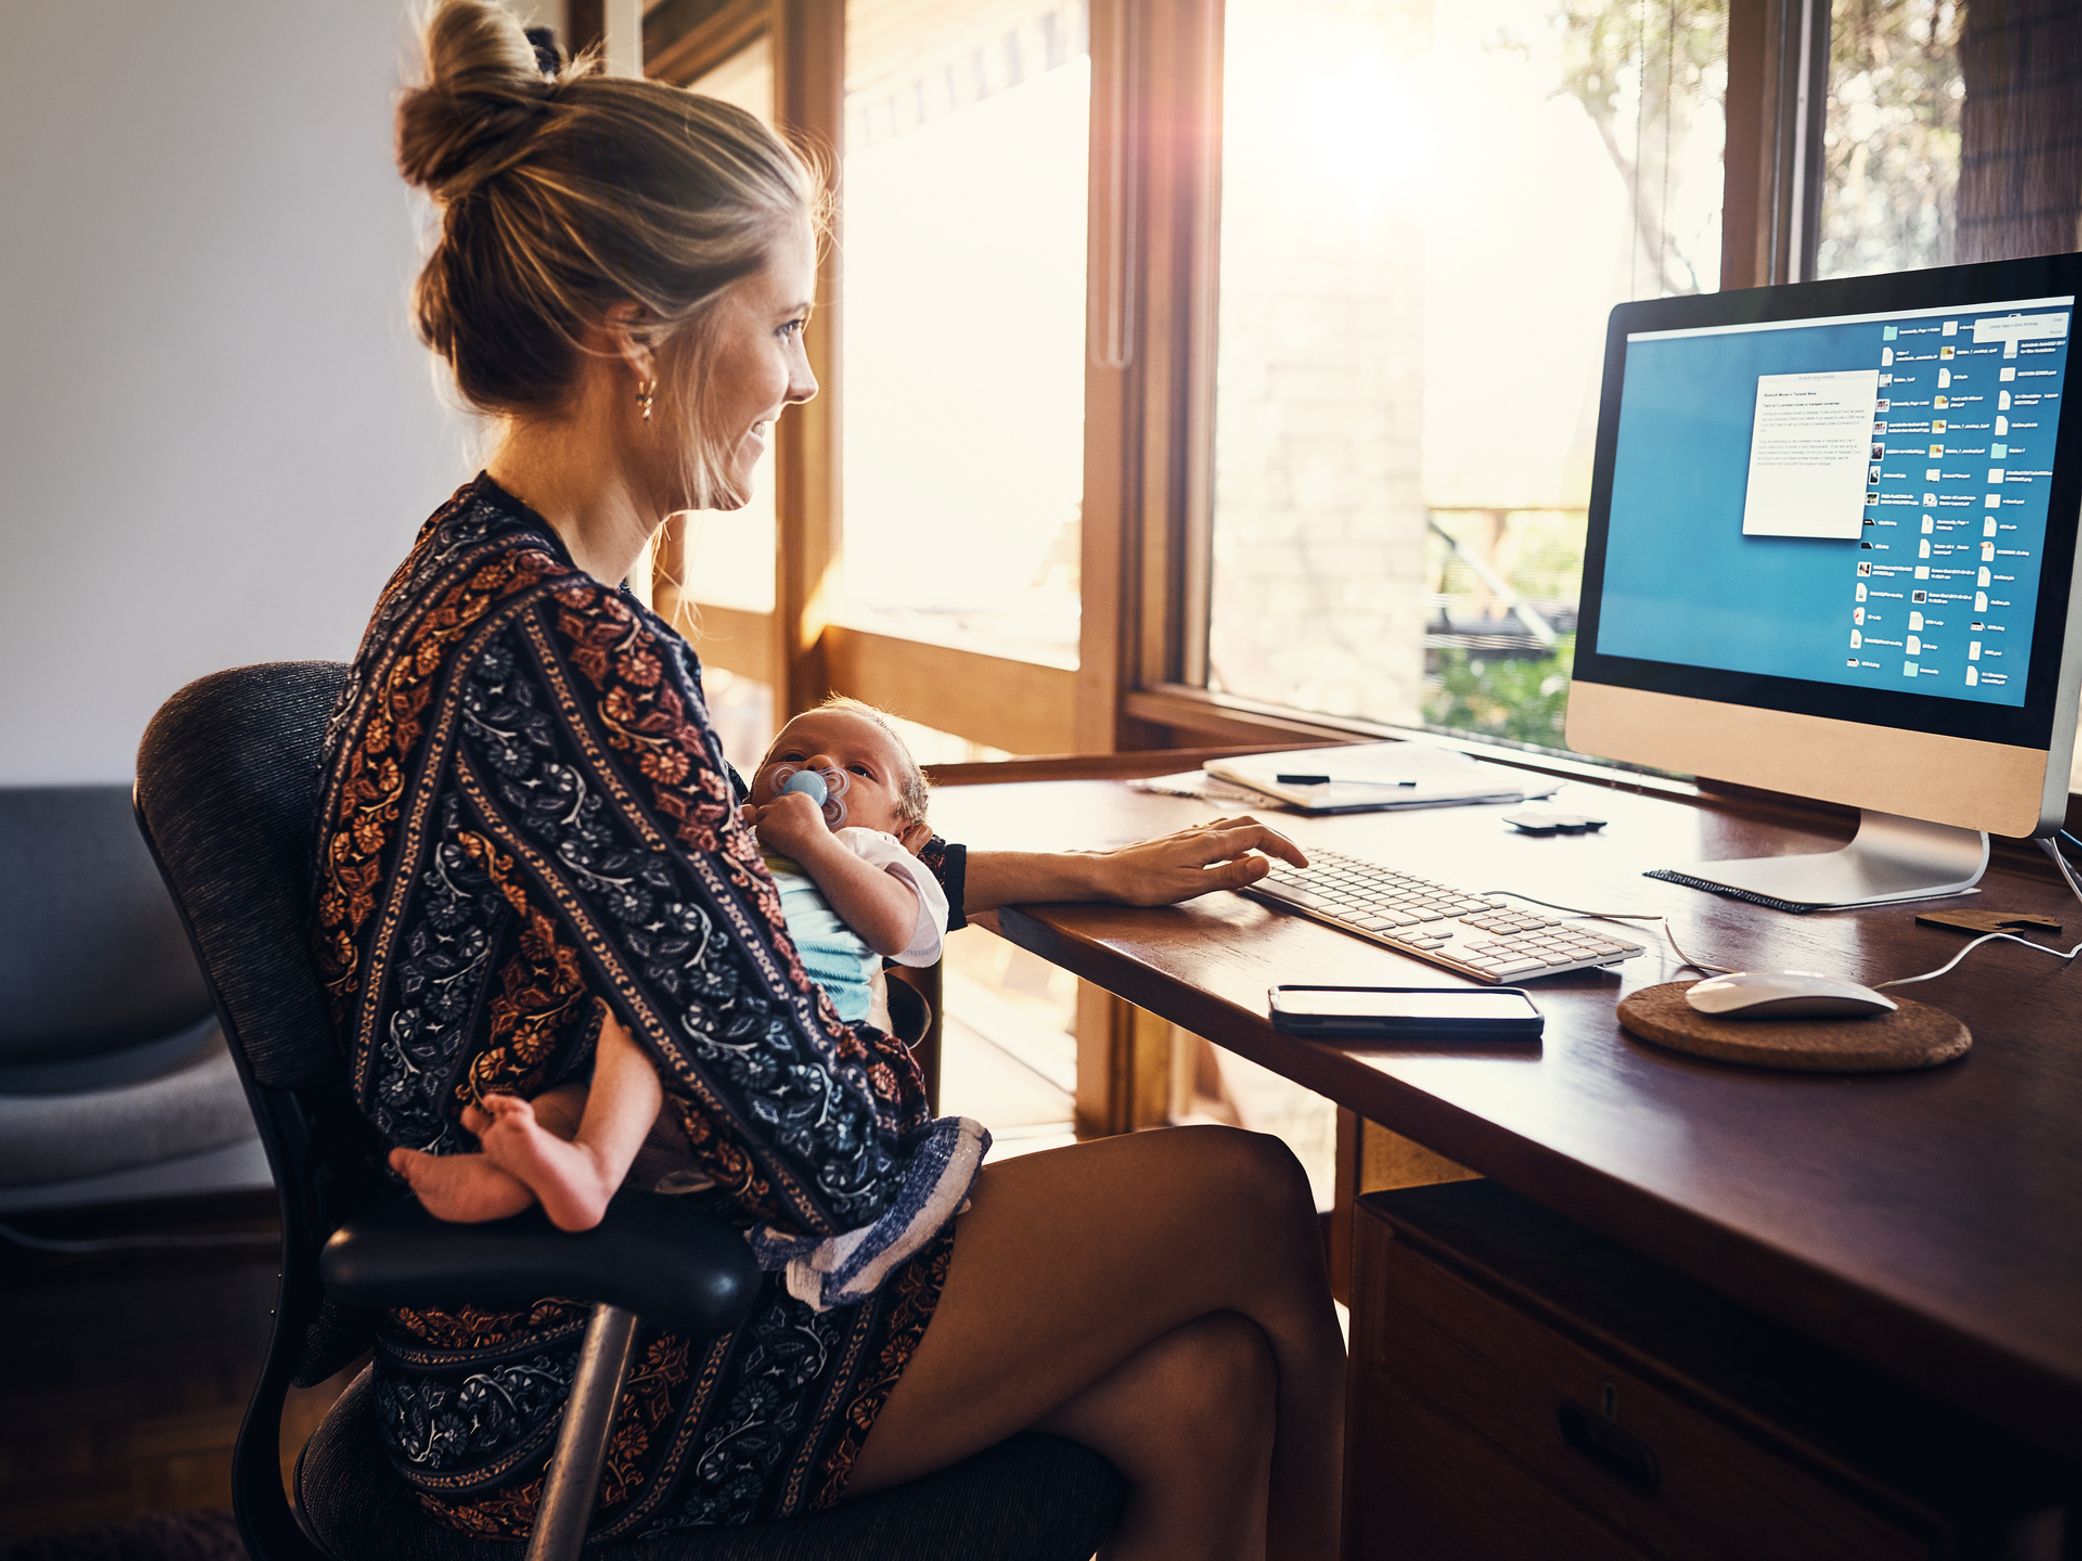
(463, 1188)
(564, 1177)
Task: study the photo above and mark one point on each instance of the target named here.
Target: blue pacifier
(820, 786)
(810, 784)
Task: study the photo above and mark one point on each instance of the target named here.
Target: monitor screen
(1849, 512)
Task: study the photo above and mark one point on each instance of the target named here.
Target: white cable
(1577, 911)
(2051, 847)
(2067, 874)
(1986, 937)
(2060, 861)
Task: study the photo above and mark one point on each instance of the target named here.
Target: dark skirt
(761, 1423)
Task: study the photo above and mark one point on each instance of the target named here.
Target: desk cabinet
(1523, 1389)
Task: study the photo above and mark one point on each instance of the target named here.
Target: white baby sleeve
(887, 852)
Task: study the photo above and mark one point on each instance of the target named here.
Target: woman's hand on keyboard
(1228, 853)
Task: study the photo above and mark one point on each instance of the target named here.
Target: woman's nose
(802, 384)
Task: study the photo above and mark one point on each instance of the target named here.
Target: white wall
(217, 433)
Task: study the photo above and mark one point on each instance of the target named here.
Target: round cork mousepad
(1915, 1035)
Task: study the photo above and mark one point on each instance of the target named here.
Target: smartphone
(1407, 1013)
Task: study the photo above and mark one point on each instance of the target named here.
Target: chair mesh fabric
(1033, 1498)
(227, 777)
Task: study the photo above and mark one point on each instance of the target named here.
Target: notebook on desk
(1363, 777)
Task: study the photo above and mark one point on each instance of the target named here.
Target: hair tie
(549, 55)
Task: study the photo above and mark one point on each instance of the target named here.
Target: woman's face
(757, 365)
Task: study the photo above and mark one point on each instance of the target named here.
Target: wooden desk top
(1928, 1223)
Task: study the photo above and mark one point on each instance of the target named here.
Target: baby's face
(873, 764)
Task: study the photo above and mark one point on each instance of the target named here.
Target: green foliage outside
(1650, 75)
(1520, 699)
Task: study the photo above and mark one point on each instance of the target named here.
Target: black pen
(1325, 780)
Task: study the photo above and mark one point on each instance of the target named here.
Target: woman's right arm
(1228, 853)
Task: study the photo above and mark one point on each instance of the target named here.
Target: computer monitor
(1831, 552)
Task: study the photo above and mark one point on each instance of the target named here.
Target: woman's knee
(1209, 1393)
(1234, 1375)
(1252, 1174)
(1226, 1399)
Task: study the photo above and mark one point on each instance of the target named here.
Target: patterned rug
(209, 1535)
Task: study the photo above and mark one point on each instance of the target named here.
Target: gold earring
(646, 392)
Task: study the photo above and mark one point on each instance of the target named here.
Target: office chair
(227, 784)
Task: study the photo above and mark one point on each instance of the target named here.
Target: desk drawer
(1644, 1463)
(1551, 1396)
(1436, 1490)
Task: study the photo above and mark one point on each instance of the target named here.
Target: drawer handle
(1625, 1457)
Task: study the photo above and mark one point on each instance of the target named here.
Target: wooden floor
(126, 1372)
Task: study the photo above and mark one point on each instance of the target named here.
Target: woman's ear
(628, 333)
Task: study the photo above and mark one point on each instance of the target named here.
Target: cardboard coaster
(1913, 1036)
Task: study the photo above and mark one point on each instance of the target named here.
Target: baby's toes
(516, 1112)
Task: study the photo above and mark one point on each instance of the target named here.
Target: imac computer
(1831, 552)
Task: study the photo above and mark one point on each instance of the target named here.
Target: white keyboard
(1487, 939)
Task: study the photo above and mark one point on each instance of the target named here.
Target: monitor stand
(1890, 859)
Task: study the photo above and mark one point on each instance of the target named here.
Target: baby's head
(884, 788)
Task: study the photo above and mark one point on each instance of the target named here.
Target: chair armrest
(654, 1255)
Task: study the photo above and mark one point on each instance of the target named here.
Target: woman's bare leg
(1203, 1493)
(1071, 1262)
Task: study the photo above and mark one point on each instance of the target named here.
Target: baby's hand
(789, 823)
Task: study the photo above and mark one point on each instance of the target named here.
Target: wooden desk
(1928, 1224)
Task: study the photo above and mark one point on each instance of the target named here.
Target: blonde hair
(565, 192)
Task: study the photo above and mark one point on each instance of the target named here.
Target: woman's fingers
(1237, 873)
(1227, 837)
(1224, 854)
(1247, 834)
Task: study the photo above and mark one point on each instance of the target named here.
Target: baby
(842, 849)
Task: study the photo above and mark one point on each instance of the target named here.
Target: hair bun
(485, 92)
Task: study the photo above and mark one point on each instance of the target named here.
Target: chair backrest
(227, 789)
(227, 798)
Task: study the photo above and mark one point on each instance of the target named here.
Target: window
(1950, 136)
(964, 265)
(1426, 213)
(1890, 158)
(727, 557)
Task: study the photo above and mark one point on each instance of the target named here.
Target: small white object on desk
(1785, 994)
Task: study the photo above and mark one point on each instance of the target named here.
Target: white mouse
(1785, 994)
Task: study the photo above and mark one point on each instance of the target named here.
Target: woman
(528, 832)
